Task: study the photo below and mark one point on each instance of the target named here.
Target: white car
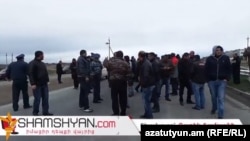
(3, 74)
(104, 73)
(66, 69)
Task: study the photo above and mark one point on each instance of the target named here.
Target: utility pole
(247, 41)
(6, 59)
(12, 57)
(109, 46)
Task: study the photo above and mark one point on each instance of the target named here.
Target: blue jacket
(18, 71)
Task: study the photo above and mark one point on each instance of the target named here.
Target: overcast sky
(61, 28)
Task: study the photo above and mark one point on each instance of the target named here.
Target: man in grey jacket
(83, 72)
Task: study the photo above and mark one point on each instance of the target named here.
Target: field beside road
(6, 88)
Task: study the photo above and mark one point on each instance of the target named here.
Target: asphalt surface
(65, 102)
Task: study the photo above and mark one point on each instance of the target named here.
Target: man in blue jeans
(39, 78)
(83, 72)
(147, 82)
(198, 79)
(218, 72)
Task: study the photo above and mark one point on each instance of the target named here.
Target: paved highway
(65, 102)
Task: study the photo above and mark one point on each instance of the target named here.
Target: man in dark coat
(83, 73)
(218, 73)
(39, 78)
(147, 82)
(236, 68)
(73, 70)
(59, 71)
(184, 73)
(18, 72)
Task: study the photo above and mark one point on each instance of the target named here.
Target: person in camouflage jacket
(119, 70)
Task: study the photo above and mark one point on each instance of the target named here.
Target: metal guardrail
(244, 72)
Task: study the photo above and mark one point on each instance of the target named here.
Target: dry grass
(6, 92)
(243, 86)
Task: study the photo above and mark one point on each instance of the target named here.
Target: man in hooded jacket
(218, 73)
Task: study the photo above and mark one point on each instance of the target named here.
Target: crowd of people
(149, 71)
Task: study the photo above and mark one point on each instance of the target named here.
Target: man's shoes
(142, 116)
(35, 114)
(27, 107)
(190, 102)
(168, 99)
(136, 89)
(155, 110)
(96, 102)
(48, 114)
(173, 94)
(130, 95)
(146, 117)
(15, 110)
(100, 99)
(123, 114)
(88, 110)
(181, 102)
(213, 112)
(195, 108)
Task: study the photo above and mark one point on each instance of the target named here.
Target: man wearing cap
(18, 71)
(96, 75)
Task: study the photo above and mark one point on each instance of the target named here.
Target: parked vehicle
(3, 74)
(66, 69)
(104, 73)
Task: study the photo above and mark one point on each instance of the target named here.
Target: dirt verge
(6, 92)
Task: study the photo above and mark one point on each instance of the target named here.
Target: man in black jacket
(147, 82)
(157, 89)
(218, 72)
(74, 73)
(39, 79)
(198, 79)
(184, 73)
(59, 71)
